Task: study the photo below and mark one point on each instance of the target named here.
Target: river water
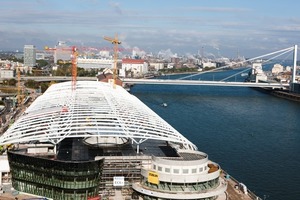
(254, 136)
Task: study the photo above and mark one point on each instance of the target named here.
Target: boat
(164, 104)
(244, 74)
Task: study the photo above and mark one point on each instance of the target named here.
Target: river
(254, 136)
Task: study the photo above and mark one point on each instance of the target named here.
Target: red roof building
(132, 61)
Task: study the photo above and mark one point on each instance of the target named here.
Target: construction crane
(74, 67)
(19, 94)
(74, 55)
(115, 42)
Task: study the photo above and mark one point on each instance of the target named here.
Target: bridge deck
(198, 82)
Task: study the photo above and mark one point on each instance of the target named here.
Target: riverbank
(285, 94)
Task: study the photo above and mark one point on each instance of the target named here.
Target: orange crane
(74, 67)
(115, 42)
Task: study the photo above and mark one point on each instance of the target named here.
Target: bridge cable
(264, 62)
(241, 62)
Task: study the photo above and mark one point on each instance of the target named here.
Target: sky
(222, 28)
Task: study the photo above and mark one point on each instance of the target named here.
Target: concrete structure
(190, 176)
(257, 73)
(133, 68)
(62, 52)
(40, 56)
(5, 177)
(277, 68)
(156, 65)
(104, 54)
(6, 64)
(7, 73)
(209, 65)
(95, 63)
(108, 77)
(29, 55)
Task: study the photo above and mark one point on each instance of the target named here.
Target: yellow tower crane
(115, 42)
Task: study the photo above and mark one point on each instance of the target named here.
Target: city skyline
(221, 29)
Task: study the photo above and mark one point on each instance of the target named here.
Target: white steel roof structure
(93, 109)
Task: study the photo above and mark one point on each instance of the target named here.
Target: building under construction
(100, 142)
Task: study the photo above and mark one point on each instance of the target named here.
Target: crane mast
(19, 86)
(115, 42)
(74, 67)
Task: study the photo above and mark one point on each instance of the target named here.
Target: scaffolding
(128, 167)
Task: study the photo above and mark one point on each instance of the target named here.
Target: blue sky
(219, 27)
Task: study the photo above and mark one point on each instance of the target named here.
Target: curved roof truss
(93, 109)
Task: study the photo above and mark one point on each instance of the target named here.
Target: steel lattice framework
(93, 109)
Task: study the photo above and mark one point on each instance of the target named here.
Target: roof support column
(55, 149)
(138, 144)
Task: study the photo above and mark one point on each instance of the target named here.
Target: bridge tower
(295, 64)
(293, 81)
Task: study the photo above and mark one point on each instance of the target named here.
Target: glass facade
(59, 180)
(178, 187)
(172, 188)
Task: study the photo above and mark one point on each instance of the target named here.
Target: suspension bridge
(223, 82)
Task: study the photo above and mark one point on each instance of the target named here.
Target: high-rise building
(29, 55)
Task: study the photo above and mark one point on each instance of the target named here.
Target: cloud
(116, 7)
(290, 28)
(219, 9)
(166, 54)
(182, 28)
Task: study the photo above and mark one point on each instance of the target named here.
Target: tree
(44, 86)
(32, 84)
(59, 61)
(42, 63)
(64, 70)
(12, 81)
(5, 82)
